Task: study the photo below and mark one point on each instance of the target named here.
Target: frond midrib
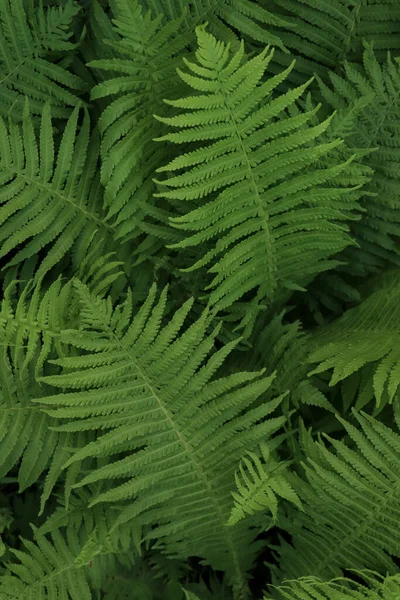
(67, 199)
(202, 476)
(270, 256)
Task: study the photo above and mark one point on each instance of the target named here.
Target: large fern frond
(48, 200)
(33, 39)
(227, 19)
(351, 506)
(269, 222)
(151, 392)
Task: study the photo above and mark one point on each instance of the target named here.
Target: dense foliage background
(200, 299)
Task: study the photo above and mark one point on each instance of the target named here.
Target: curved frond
(150, 392)
(271, 223)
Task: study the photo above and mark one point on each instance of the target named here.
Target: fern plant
(199, 275)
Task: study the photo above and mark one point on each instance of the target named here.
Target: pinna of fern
(371, 587)
(271, 221)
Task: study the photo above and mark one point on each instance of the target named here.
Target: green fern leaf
(312, 588)
(51, 570)
(373, 94)
(271, 223)
(142, 73)
(325, 34)
(151, 392)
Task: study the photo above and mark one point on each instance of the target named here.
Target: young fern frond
(149, 392)
(351, 505)
(48, 200)
(141, 73)
(31, 42)
(270, 221)
(260, 485)
(365, 336)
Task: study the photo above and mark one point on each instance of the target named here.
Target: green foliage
(199, 322)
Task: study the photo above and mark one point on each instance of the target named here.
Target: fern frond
(32, 41)
(270, 222)
(259, 485)
(140, 74)
(151, 391)
(351, 505)
(367, 335)
(52, 570)
(48, 200)
(376, 91)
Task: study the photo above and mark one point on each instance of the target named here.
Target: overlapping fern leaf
(325, 34)
(33, 39)
(363, 346)
(48, 200)
(373, 94)
(351, 505)
(52, 569)
(263, 221)
(150, 392)
(29, 334)
(227, 19)
(341, 588)
(141, 73)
